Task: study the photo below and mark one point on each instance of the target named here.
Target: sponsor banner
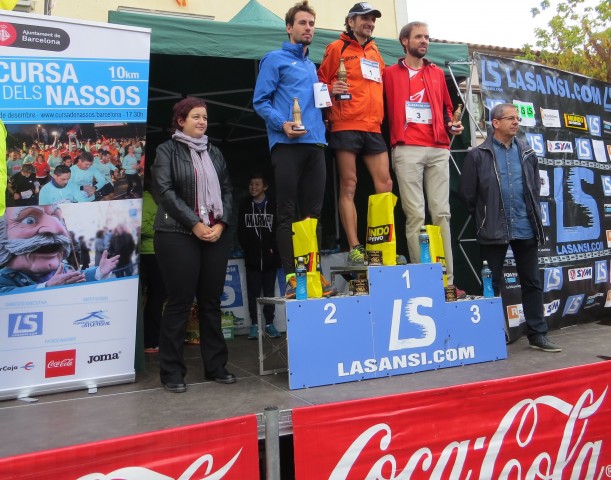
(67, 310)
(51, 71)
(59, 336)
(551, 425)
(226, 449)
(564, 120)
(47, 344)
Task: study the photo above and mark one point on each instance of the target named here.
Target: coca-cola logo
(60, 364)
(66, 362)
(520, 448)
(202, 466)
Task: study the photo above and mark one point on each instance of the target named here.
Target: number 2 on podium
(329, 318)
(407, 281)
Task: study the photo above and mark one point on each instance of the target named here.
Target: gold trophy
(457, 115)
(342, 76)
(297, 116)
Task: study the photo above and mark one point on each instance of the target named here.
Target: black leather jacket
(480, 190)
(174, 187)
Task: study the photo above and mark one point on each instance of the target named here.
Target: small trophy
(342, 76)
(457, 115)
(297, 116)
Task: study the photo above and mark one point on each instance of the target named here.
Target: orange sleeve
(327, 72)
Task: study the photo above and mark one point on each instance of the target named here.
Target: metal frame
(276, 347)
(474, 126)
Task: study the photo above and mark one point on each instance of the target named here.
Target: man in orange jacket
(356, 114)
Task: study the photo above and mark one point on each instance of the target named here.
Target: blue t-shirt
(129, 164)
(50, 193)
(80, 178)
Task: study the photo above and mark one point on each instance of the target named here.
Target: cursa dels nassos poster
(73, 97)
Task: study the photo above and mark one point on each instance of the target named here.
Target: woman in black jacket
(192, 188)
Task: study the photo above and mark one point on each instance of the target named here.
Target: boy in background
(257, 235)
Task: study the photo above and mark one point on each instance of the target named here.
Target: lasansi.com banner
(73, 97)
(566, 119)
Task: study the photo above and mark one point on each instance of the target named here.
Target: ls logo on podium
(424, 322)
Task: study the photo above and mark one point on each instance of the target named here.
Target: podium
(403, 326)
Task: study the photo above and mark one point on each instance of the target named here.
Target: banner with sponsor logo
(547, 425)
(73, 96)
(566, 119)
(225, 449)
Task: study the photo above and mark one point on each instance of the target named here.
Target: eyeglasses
(511, 119)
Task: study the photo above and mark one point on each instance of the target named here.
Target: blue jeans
(526, 256)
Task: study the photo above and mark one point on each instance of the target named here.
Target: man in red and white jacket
(420, 119)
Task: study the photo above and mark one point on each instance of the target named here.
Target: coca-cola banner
(552, 425)
(226, 449)
(566, 119)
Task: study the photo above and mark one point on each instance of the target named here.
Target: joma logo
(103, 358)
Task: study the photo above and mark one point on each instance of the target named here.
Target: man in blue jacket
(297, 156)
(500, 186)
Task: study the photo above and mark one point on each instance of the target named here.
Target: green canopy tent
(219, 60)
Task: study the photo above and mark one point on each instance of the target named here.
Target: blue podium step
(403, 326)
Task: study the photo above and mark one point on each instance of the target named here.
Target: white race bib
(418, 113)
(371, 70)
(321, 95)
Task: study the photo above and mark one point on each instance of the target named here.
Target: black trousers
(257, 281)
(300, 174)
(152, 281)
(134, 184)
(526, 256)
(191, 268)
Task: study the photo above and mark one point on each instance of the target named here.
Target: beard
(415, 52)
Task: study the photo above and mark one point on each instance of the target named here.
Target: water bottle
(425, 246)
(487, 280)
(301, 292)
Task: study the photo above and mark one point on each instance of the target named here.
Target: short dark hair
(61, 169)
(27, 168)
(66, 157)
(260, 175)
(86, 157)
(406, 31)
(181, 110)
(298, 7)
(497, 111)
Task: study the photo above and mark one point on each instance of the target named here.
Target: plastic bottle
(487, 280)
(425, 246)
(301, 292)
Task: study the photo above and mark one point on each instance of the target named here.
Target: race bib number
(418, 113)
(371, 70)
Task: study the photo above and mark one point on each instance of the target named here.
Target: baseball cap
(363, 8)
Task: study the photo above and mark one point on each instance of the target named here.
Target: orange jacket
(365, 111)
